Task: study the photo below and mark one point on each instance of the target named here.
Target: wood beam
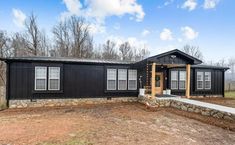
(188, 71)
(153, 90)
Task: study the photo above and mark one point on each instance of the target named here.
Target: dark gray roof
(63, 59)
(209, 66)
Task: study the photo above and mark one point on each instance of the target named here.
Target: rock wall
(2, 98)
(66, 102)
(2, 94)
(186, 107)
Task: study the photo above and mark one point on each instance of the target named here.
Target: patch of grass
(3, 106)
(230, 94)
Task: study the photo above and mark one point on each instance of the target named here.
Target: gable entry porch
(160, 77)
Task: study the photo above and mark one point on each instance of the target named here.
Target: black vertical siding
(78, 81)
(217, 83)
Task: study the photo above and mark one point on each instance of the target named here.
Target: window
(40, 78)
(132, 79)
(111, 79)
(122, 79)
(207, 80)
(54, 78)
(174, 79)
(200, 80)
(182, 80)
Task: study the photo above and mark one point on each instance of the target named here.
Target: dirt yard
(230, 102)
(128, 123)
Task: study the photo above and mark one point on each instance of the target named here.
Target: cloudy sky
(160, 25)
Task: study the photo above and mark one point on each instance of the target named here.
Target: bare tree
(109, 51)
(37, 43)
(141, 53)
(231, 65)
(62, 38)
(80, 35)
(72, 38)
(222, 63)
(19, 45)
(193, 51)
(5, 51)
(126, 51)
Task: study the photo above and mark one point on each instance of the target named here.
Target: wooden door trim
(161, 83)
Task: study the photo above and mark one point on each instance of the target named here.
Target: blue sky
(159, 25)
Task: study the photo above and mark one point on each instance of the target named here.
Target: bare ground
(126, 123)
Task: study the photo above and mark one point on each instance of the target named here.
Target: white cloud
(100, 9)
(73, 6)
(96, 11)
(145, 32)
(180, 39)
(210, 4)
(168, 2)
(18, 18)
(189, 4)
(166, 34)
(189, 33)
(96, 28)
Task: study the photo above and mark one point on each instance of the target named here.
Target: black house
(35, 78)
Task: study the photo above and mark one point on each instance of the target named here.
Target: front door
(159, 83)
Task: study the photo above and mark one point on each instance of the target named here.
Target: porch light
(173, 56)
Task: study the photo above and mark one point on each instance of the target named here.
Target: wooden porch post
(153, 80)
(188, 69)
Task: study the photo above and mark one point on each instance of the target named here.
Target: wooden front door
(159, 83)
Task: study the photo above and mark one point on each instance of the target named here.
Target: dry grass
(230, 94)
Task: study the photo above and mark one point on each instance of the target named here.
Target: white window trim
(200, 80)
(49, 79)
(176, 88)
(107, 87)
(35, 78)
(132, 79)
(207, 80)
(182, 80)
(122, 80)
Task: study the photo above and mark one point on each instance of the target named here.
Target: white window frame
(182, 80)
(209, 80)
(202, 80)
(49, 79)
(177, 76)
(131, 78)
(107, 87)
(35, 78)
(119, 78)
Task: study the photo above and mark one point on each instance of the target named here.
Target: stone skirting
(2, 93)
(66, 102)
(174, 103)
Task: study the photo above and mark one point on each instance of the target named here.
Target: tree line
(70, 38)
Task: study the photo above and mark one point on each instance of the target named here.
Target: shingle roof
(63, 59)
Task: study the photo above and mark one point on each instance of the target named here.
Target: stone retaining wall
(2, 93)
(66, 102)
(186, 107)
